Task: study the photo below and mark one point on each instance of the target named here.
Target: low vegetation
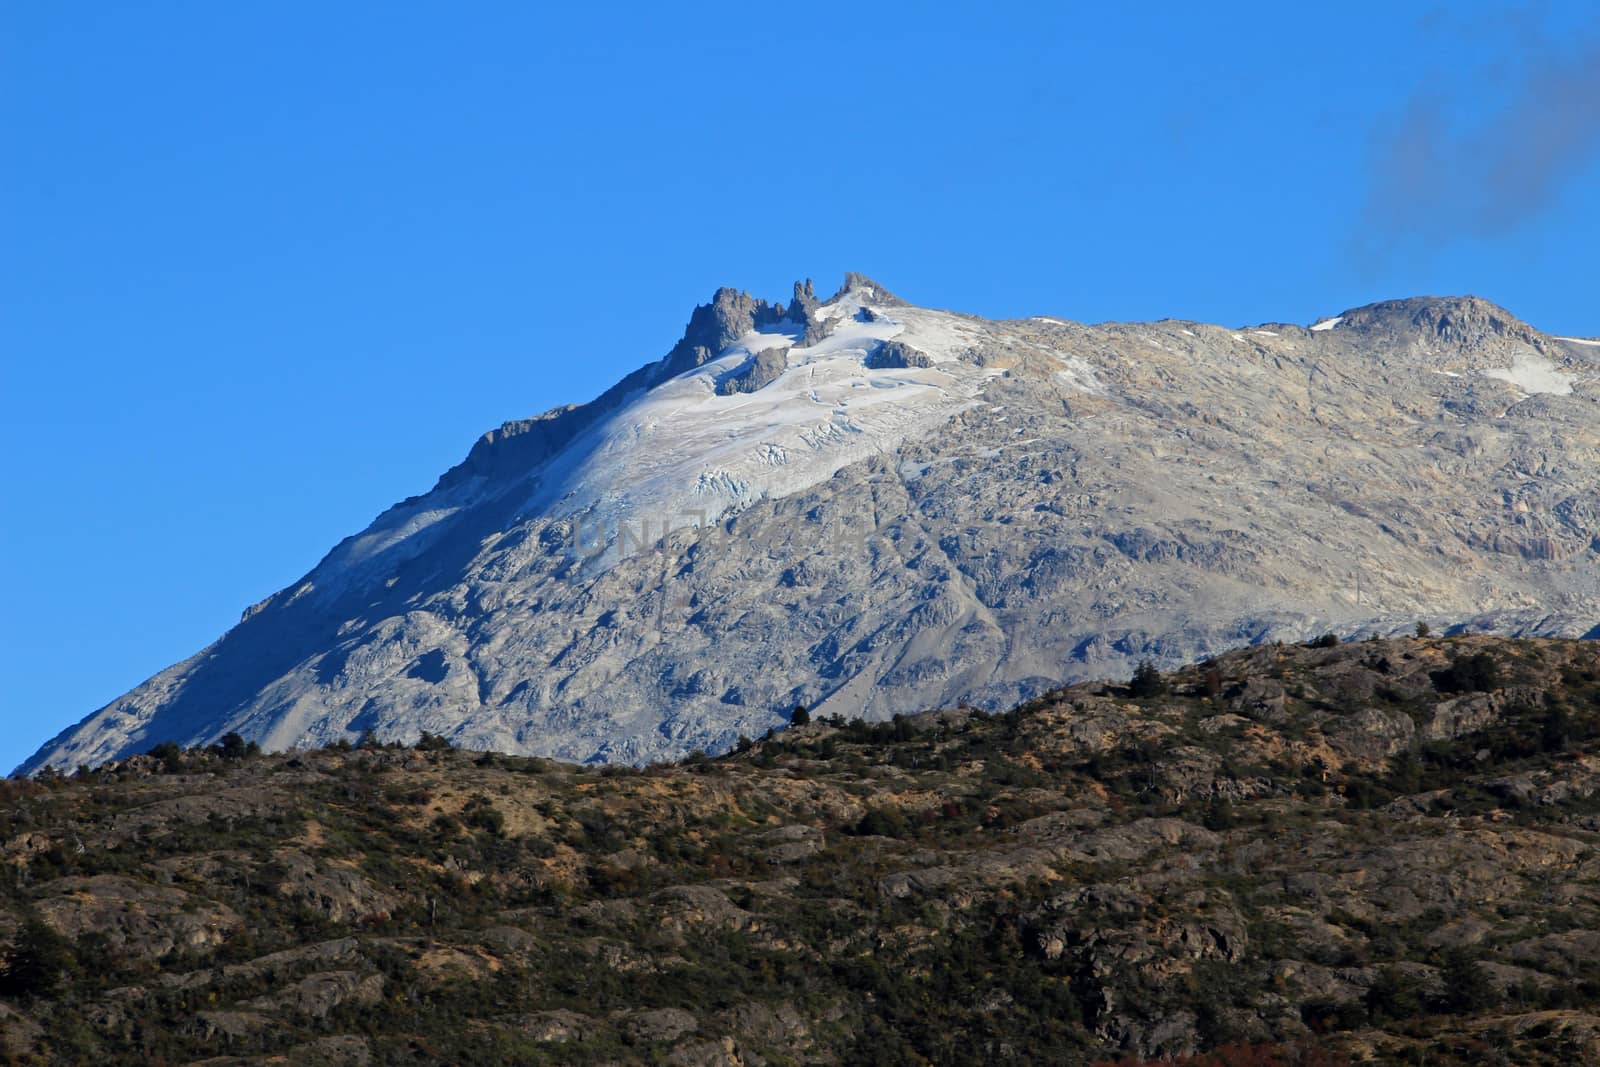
(1326, 854)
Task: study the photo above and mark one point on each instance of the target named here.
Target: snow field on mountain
(682, 454)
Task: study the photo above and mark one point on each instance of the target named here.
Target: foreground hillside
(1386, 851)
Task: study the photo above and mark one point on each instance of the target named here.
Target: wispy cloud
(1444, 168)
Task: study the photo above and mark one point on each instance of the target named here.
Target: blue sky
(265, 269)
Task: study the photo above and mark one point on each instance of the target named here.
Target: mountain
(869, 507)
(1380, 852)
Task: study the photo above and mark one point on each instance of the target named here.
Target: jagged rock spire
(861, 284)
(712, 327)
(805, 300)
(732, 313)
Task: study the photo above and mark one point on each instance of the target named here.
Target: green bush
(234, 747)
(1147, 680)
(37, 963)
(1478, 673)
(432, 743)
(170, 755)
(481, 814)
(1393, 995)
(882, 822)
(1467, 987)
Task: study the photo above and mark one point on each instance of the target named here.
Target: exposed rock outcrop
(760, 370)
(893, 354)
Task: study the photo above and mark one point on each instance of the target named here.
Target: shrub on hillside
(1477, 673)
(1147, 680)
(1393, 995)
(234, 747)
(882, 822)
(1467, 986)
(432, 743)
(170, 755)
(37, 963)
(481, 814)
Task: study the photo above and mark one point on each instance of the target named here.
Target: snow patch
(1534, 374)
(681, 454)
(1079, 375)
(1327, 324)
(1592, 342)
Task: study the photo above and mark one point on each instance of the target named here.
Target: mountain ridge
(915, 513)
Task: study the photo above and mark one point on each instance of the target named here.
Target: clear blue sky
(267, 268)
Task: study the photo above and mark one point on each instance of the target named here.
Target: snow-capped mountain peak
(869, 507)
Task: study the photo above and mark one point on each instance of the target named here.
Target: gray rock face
(897, 354)
(803, 311)
(761, 369)
(1043, 501)
(714, 326)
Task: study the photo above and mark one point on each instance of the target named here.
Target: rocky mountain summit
(1379, 852)
(869, 507)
